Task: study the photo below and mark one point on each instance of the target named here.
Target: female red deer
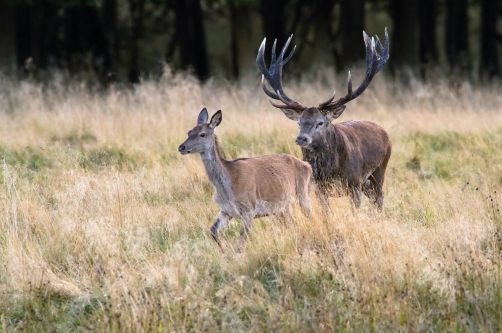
(247, 188)
(351, 155)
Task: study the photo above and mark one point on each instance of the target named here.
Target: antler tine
(285, 47)
(385, 51)
(279, 106)
(369, 55)
(265, 89)
(273, 58)
(273, 75)
(260, 61)
(289, 56)
(326, 102)
(260, 58)
(286, 100)
(374, 63)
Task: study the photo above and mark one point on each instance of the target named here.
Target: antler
(374, 63)
(274, 75)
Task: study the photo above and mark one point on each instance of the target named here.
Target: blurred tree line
(123, 39)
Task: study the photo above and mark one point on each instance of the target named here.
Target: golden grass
(106, 228)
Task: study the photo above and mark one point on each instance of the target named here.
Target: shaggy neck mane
(325, 157)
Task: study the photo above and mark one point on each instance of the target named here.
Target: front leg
(355, 195)
(221, 221)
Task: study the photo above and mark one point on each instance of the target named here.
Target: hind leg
(369, 189)
(304, 201)
(375, 190)
(246, 222)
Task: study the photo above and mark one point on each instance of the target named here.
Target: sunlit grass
(106, 228)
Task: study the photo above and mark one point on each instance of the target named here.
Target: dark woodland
(125, 40)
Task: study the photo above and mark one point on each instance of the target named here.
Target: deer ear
(203, 116)
(216, 119)
(292, 114)
(335, 113)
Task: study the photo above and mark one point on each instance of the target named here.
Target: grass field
(105, 227)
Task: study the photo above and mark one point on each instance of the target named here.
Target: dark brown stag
(345, 157)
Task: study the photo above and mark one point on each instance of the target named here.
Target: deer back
(270, 178)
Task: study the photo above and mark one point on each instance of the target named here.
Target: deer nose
(301, 140)
(181, 148)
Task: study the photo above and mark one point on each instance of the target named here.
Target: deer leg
(355, 195)
(369, 189)
(245, 227)
(303, 195)
(377, 179)
(306, 205)
(221, 221)
(304, 201)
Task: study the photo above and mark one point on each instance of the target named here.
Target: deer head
(314, 121)
(200, 137)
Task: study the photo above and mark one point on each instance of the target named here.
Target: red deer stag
(350, 156)
(247, 188)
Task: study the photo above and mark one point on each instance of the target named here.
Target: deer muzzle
(303, 140)
(183, 149)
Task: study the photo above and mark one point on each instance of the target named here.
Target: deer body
(248, 188)
(257, 186)
(347, 157)
(354, 156)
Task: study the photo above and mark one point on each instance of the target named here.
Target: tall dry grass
(105, 227)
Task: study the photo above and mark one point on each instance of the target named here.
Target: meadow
(105, 227)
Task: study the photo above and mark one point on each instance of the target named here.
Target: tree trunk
(183, 38)
(427, 26)
(190, 36)
(199, 41)
(109, 23)
(22, 19)
(456, 35)
(36, 28)
(489, 54)
(321, 22)
(234, 23)
(351, 29)
(7, 36)
(136, 9)
(243, 47)
(405, 37)
(274, 24)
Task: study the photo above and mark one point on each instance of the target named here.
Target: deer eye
(320, 123)
(202, 135)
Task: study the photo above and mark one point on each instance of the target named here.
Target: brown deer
(347, 157)
(247, 188)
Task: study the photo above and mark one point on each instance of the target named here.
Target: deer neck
(324, 158)
(216, 169)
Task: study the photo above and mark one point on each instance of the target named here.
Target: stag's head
(200, 138)
(314, 121)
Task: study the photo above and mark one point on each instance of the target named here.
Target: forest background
(124, 40)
